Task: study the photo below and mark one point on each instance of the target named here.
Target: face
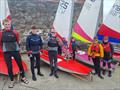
(53, 34)
(105, 39)
(34, 31)
(95, 41)
(73, 40)
(7, 25)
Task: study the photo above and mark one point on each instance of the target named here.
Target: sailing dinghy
(62, 25)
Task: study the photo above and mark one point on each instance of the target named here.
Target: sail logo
(115, 11)
(63, 6)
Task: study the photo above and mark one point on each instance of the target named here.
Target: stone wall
(35, 12)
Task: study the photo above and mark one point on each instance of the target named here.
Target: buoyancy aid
(106, 47)
(95, 50)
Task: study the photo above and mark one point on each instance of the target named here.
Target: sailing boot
(100, 76)
(11, 85)
(55, 73)
(52, 72)
(34, 78)
(39, 73)
(109, 74)
(104, 72)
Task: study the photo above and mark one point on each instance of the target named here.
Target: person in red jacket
(108, 55)
(9, 42)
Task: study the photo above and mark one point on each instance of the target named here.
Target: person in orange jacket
(95, 51)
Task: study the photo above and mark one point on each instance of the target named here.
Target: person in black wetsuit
(9, 42)
(33, 45)
(52, 53)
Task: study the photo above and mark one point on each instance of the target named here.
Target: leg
(32, 64)
(32, 60)
(73, 54)
(18, 60)
(95, 67)
(37, 56)
(51, 57)
(55, 64)
(98, 67)
(104, 65)
(8, 61)
(110, 71)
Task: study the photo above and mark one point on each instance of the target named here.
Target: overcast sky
(107, 6)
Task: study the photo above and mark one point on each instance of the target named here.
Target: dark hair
(96, 38)
(33, 27)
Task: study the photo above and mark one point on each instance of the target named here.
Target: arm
(17, 36)
(101, 51)
(41, 42)
(89, 50)
(27, 44)
(112, 49)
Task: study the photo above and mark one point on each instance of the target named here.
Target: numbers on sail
(116, 11)
(88, 6)
(63, 5)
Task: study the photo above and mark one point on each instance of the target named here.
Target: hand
(29, 52)
(89, 58)
(101, 58)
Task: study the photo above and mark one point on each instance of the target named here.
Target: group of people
(10, 45)
(101, 52)
(9, 42)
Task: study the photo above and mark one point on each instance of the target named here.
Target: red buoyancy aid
(107, 47)
(95, 48)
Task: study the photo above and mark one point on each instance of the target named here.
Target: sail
(4, 12)
(87, 23)
(63, 19)
(111, 25)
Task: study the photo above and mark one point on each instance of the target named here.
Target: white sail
(111, 25)
(63, 19)
(86, 26)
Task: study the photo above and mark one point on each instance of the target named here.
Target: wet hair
(5, 21)
(33, 27)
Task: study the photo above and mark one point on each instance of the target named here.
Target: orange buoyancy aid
(107, 47)
(95, 50)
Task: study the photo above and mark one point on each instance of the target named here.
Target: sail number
(63, 5)
(116, 11)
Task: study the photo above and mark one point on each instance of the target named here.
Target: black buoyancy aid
(9, 41)
(9, 36)
(53, 42)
